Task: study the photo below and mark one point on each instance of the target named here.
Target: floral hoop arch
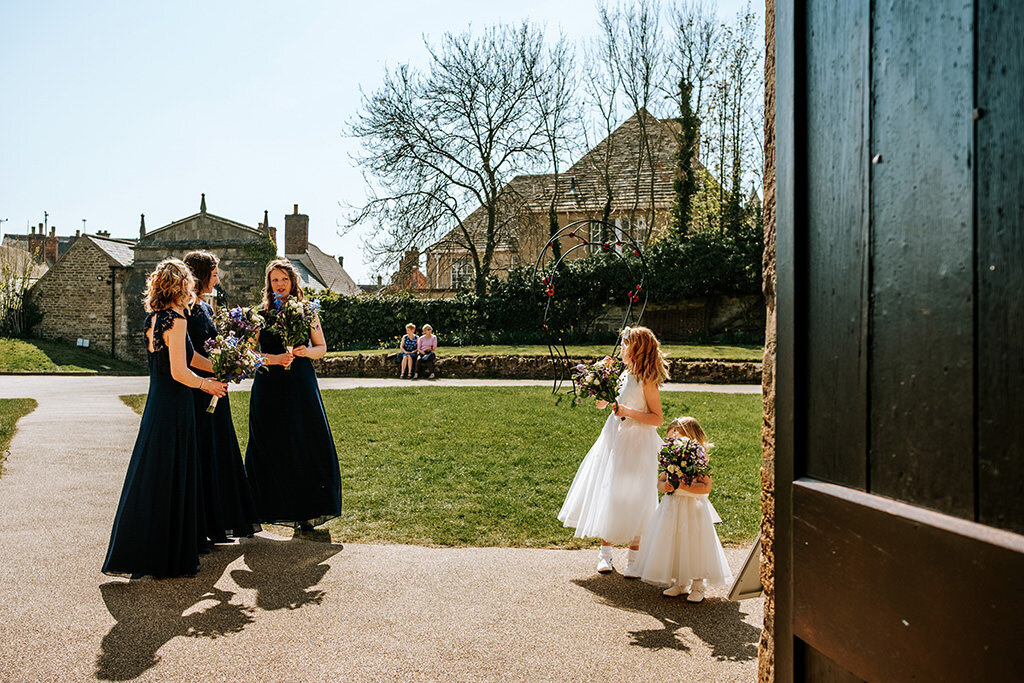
(546, 268)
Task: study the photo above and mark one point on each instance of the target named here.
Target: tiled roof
(528, 196)
(320, 271)
(330, 271)
(518, 202)
(622, 151)
(121, 250)
(307, 280)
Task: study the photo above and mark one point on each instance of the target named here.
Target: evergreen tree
(685, 181)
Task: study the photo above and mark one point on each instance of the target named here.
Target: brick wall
(74, 297)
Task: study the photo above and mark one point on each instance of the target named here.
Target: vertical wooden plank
(921, 369)
(837, 254)
(1000, 266)
(787, 111)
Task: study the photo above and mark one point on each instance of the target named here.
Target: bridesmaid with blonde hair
(157, 529)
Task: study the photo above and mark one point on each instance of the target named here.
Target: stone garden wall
(530, 367)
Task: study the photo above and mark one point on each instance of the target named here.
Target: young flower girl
(681, 547)
(614, 492)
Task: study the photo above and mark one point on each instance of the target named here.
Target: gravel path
(275, 608)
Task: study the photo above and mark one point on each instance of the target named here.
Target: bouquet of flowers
(242, 321)
(292, 320)
(683, 461)
(233, 360)
(599, 379)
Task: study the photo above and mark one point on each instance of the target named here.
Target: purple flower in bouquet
(292, 319)
(242, 321)
(599, 380)
(233, 360)
(682, 461)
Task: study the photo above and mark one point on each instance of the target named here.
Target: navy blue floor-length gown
(290, 459)
(156, 530)
(228, 504)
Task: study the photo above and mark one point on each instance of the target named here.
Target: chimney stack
(341, 261)
(50, 247)
(296, 233)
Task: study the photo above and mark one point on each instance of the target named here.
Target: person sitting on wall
(426, 347)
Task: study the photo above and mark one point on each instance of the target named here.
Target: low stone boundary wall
(531, 367)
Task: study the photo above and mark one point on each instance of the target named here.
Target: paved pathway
(275, 608)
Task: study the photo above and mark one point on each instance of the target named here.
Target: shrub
(512, 312)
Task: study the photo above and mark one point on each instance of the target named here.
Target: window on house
(462, 274)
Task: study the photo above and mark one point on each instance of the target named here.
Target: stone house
(95, 290)
(82, 296)
(641, 201)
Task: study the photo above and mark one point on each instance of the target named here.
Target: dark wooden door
(900, 371)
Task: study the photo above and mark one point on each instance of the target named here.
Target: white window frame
(461, 273)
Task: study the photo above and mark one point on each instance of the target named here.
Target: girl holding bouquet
(157, 530)
(227, 500)
(681, 548)
(290, 459)
(614, 493)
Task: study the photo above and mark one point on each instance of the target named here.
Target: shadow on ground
(150, 613)
(716, 621)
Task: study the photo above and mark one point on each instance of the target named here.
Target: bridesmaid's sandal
(696, 591)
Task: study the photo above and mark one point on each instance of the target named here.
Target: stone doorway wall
(766, 649)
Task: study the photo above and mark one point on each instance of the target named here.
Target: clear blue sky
(110, 109)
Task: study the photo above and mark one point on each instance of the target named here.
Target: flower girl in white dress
(614, 493)
(681, 547)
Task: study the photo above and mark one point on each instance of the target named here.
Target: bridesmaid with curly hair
(158, 529)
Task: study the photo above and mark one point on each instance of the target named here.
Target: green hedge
(706, 263)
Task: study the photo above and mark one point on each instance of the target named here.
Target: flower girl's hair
(691, 428)
(170, 283)
(643, 355)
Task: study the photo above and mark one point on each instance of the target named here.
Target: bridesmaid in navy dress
(227, 499)
(157, 529)
(291, 460)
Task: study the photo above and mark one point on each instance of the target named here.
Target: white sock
(605, 552)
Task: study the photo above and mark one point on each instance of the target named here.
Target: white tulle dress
(615, 491)
(681, 544)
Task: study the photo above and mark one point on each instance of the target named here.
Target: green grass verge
(680, 351)
(490, 466)
(44, 356)
(11, 410)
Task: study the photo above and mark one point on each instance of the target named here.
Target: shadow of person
(151, 612)
(283, 572)
(716, 621)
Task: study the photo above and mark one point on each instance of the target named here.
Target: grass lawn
(490, 466)
(681, 351)
(44, 356)
(11, 410)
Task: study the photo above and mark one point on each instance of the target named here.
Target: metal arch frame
(556, 349)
